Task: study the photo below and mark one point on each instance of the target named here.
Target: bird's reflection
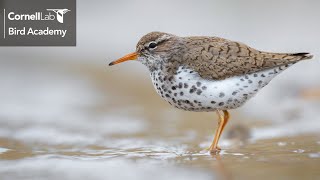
(220, 168)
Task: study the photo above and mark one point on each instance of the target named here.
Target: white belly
(187, 90)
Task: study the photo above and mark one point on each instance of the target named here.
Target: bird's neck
(167, 68)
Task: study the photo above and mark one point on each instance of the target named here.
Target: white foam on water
(314, 155)
(3, 150)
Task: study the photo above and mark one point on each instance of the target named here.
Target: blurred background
(64, 114)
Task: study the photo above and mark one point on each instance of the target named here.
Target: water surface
(80, 121)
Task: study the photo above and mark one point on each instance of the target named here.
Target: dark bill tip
(131, 56)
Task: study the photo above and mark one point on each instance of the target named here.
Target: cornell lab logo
(38, 23)
(39, 16)
(60, 13)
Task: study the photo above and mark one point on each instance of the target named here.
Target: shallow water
(80, 121)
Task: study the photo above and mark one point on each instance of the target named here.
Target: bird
(208, 73)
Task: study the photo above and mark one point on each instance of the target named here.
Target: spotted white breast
(187, 90)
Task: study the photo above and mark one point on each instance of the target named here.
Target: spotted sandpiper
(208, 73)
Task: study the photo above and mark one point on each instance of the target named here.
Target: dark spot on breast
(173, 88)
(221, 94)
(180, 85)
(241, 79)
(255, 75)
(175, 94)
(193, 89)
(221, 103)
(213, 102)
(191, 72)
(181, 93)
(234, 93)
(167, 95)
(262, 75)
(185, 85)
(249, 81)
(204, 87)
(246, 77)
(198, 84)
(199, 91)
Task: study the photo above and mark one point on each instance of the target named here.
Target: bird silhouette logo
(60, 13)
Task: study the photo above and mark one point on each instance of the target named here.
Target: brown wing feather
(217, 58)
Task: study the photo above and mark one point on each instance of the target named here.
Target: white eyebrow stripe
(160, 39)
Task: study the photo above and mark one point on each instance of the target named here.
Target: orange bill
(131, 56)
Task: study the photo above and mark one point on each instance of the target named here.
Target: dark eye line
(157, 43)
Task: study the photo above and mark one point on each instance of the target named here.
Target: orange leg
(223, 119)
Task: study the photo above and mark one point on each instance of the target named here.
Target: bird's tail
(300, 56)
(276, 59)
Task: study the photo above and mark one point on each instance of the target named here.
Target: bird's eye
(152, 45)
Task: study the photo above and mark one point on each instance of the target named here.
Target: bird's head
(154, 49)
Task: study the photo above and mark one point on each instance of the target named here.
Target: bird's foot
(213, 150)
